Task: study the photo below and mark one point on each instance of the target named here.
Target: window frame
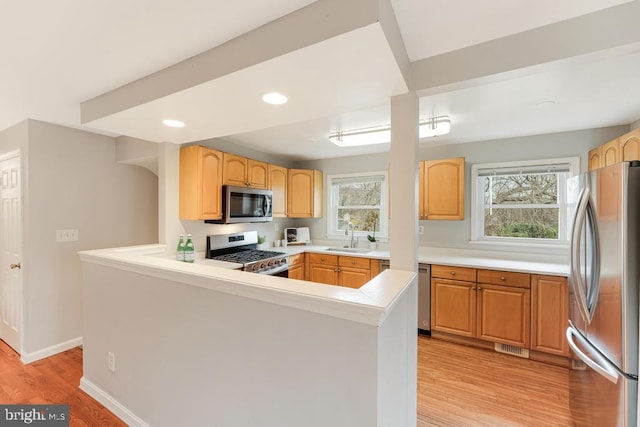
(477, 203)
(383, 234)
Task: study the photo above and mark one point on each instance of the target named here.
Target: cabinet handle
(322, 259)
(337, 270)
(479, 288)
(453, 273)
(353, 262)
(502, 278)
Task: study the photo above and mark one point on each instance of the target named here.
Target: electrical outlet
(276, 227)
(66, 235)
(421, 229)
(111, 361)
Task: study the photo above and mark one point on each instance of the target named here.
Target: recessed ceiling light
(173, 123)
(274, 98)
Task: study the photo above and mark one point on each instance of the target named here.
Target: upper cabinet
(243, 172)
(595, 158)
(630, 146)
(304, 193)
(623, 149)
(610, 154)
(277, 176)
(200, 183)
(441, 189)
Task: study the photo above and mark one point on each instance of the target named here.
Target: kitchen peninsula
(170, 343)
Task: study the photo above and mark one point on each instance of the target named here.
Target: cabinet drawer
(457, 273)
(323, 259)
(356, 262)
(505, 278)
(296, 259)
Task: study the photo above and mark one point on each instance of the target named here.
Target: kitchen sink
(349, 250)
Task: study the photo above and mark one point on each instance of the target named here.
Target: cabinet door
(453, 307)
(421, 211)
(257, 174)
(504, 314)
(297, 271)
(595, 158)
(278, 184)
(444, 189)
(630, 146)
(323, 273)
(610, 154)
(235, 170)
(304, 193)
(200, 183)
(211, 162)
(353, 277)
(549, 314)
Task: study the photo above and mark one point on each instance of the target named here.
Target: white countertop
(492, 260)
(369, 304)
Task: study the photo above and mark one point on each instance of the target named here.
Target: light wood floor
(457, 386)
(465, 386)
(51, 380)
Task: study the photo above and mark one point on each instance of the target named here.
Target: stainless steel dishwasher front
(424, 296)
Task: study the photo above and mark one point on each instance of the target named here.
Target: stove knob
(263, 265)
(283, 261)
(271, 263)
(255, 267)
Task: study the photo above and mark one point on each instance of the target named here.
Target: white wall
(198, 356)
(456, 234)
(74, 182)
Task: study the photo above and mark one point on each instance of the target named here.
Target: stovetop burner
(245, 256)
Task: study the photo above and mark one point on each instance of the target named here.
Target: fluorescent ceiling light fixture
(432, 126)
(274, 98)
(173, 123)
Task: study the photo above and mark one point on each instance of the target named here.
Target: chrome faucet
(346, 233)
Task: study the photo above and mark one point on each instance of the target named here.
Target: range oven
(240, 248)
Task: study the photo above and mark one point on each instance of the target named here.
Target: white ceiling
(63, 53)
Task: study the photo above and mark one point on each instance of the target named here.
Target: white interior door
(10, 251)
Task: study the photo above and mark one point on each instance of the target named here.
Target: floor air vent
(513, 350)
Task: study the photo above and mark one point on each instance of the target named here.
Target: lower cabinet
(549, 314)
(519, 309)
(352, 272)
(296, 267)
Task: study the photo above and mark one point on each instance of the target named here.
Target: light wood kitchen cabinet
(353, 272)
(504, 307)
(304, 193)
(549, 314)
(341, 270)
(278, 185)
(243, 172)
(442, 189)
(630, 146)
(296, 267)
(453, 300)
(200, 183)
(610, 153)
(595, 158)
(323, 268)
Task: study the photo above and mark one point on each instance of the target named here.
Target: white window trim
(477, 236)
(383, 234)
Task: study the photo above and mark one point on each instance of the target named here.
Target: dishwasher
(424, 296)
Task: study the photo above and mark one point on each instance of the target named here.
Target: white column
(169, 195)
(403, 180)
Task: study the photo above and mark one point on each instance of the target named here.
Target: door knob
(13, 266)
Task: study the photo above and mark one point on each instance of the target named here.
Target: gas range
(241, 248)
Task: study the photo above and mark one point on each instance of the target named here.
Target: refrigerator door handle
(601, 365)
(586, 300)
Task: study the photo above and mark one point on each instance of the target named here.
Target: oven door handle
(276, 270)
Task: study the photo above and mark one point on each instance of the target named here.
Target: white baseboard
(27, 358)
(111, 404)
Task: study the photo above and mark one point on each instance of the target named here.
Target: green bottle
(189, 250)
(180, 251)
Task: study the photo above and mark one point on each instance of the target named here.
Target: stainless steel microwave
(245, 204)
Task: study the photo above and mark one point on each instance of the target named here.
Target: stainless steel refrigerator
(604, 280)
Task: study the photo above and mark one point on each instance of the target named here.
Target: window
(521, 201)
(359, 199)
